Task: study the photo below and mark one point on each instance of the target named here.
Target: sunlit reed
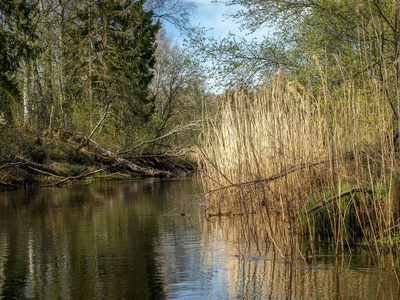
(277, 151)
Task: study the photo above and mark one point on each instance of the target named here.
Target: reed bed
(269, 155)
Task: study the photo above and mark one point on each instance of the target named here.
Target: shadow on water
(149, 240)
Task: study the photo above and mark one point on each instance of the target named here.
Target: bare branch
(172, 132)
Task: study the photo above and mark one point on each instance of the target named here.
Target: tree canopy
(332, 30)
(17, 32)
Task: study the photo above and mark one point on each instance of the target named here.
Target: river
(148, 239)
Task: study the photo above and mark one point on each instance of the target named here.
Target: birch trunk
(26, 93)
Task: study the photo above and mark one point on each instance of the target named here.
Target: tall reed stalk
(270, 155)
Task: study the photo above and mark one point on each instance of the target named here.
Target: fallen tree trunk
(126, 165)
(39, 169)
(81, 176)
(329, 200)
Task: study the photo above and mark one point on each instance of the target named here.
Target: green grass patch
(342, 217)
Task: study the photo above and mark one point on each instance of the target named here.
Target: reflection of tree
(84, 242)
(111, 241)
(15, 268)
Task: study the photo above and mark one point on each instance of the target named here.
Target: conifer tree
(16, 35)
(109, 59)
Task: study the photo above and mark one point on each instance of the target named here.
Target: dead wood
(80, 176)
(23, 159)
(88, 139)
(329, 200)
(85, 174)
(131, 167)
(122, 165)
(30, 166)
(127, 165)
(269, 179)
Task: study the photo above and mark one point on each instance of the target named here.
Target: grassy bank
(281, 150)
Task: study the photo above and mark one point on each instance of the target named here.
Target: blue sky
(210, 15)
(214, 15)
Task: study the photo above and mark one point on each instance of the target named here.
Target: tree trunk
(26, 92)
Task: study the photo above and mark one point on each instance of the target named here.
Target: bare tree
(175, 12)
(175, 72)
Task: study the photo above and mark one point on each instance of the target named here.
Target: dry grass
(277, 151)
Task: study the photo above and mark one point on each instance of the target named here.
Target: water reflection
(115, 241)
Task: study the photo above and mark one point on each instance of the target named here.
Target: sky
(210, 15)
(213, 15)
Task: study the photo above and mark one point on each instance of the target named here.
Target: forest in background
(103, 74)
(307, 134)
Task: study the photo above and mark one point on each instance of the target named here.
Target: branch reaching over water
(269, 179)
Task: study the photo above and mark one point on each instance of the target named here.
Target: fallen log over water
(122, 164)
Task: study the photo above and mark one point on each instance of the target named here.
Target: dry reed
(277, 151)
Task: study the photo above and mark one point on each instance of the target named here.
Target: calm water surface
(129, 241)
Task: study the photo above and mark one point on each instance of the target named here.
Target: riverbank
(65, 157)
(322, 164)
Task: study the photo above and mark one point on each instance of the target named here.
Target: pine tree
(16, 35)
(110, 59)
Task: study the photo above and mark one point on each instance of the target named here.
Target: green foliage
(348, 37)
(116, 42)
(323, 224)
(16, 36)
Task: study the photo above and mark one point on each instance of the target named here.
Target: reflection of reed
(261, 228)
(253, 271)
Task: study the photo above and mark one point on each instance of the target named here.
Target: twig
(101, 121)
